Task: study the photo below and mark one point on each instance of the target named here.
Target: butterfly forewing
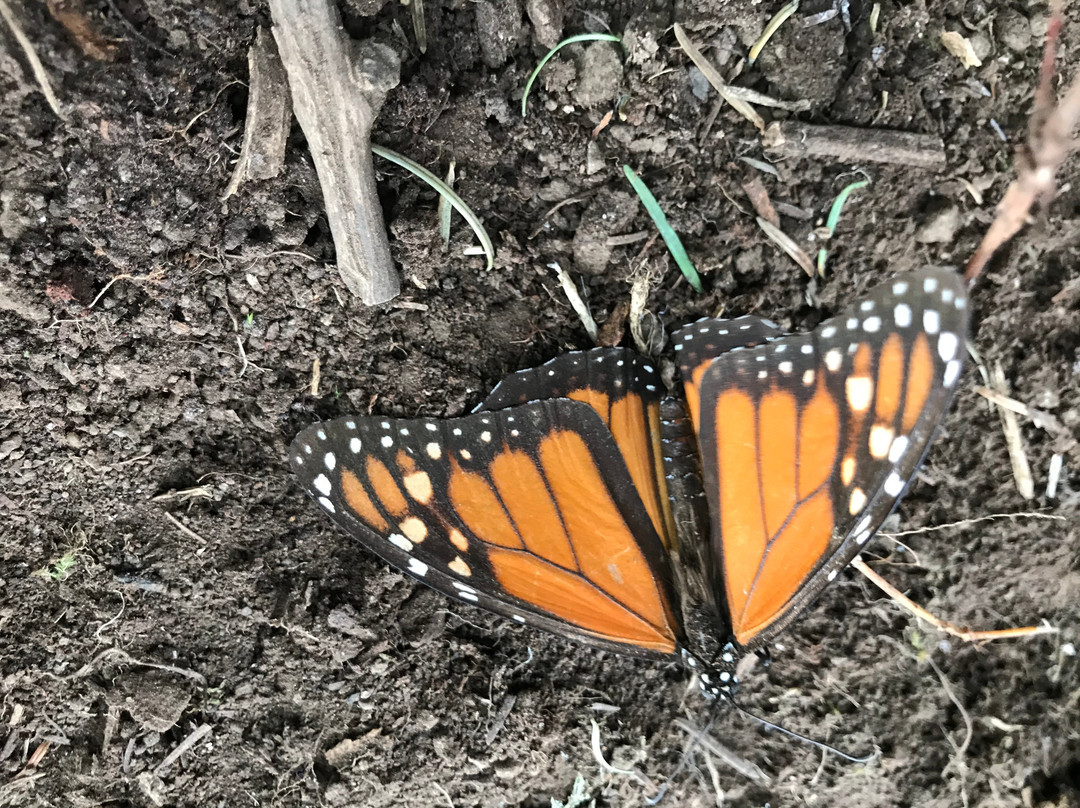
(529, 512)
(810, 441)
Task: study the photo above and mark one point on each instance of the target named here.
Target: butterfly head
(717, 677)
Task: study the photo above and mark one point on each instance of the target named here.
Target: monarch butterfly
(582, 499)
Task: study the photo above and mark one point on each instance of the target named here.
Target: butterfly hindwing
(528, 512)
(625, 390)
(697, 344)
(809, 441)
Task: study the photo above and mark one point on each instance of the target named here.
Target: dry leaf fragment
(960, 47)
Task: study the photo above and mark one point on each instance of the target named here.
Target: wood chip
(960, 47)
(850, 144)
(755, 191)
(1014, 440)
(788, 245)
(269, 113)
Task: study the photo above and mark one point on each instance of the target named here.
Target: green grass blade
(834, 218)
(671, 238)
(552, 52)
(447, 192)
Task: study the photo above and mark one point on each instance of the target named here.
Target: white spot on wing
(326, 503)
(952, 371)
(417, 567)
(330, 461)
(860, 390)
(871, 324)
(896, 451)
(355, 445)
(931, 321)
(894, 485)
(400, 542)
(946, 346)
(881, 438)
(902, 315)
(387, 441)
(857, 501)
(833, 360)
(322, 485)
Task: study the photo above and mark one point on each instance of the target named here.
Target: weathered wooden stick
(848, 144)
(269, 113)
(338, 87)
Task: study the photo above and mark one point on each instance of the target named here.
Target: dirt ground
(164, 581)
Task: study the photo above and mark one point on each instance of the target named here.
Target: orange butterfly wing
(698, 344)
(625, 391)
(529, 512)
(809, 441)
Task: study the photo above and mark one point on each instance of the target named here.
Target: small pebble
(600, 75)
(1014, 30)
(941, 228)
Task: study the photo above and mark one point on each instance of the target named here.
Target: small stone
(600, 75)
(594, 158)
(498, 27)
(699, 85)
(981, 45)
(154, 700)
(1014, 30)
(606, 216)
(346, 620)
(547, 18)
(941, 228)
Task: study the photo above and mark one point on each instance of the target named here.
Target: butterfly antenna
(803, 738)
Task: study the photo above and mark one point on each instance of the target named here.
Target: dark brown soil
(316, 675)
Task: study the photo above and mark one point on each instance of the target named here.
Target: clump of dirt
(178, 626)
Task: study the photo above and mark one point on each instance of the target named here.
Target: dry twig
(943, 625)
(36, 66)
(338, 87)
(850, 144)
(1049, 143)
